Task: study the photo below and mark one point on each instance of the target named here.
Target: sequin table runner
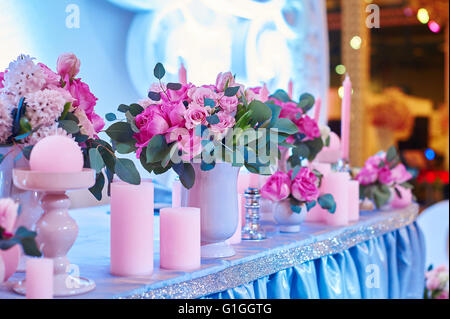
(253, 259)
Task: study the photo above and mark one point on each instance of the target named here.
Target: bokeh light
(341, 69)
(430, 154)
(434, 26)
(423, 16)
(356, 42)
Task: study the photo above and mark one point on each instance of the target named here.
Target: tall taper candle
(132, 228)
(39, 278)
(345, 118)
(176, 193)
(182, 77)
(179, 238)
(317, 107)
(290, 88)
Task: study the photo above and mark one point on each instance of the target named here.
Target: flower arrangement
(301, 186)
(36, 102)
(181, 124)
(24, 237)
(437, 280)
(382, 173)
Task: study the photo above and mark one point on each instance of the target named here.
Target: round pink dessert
(56, 154)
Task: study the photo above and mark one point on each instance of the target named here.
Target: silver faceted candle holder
(252, 229)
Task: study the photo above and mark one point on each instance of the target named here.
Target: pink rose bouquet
(22, 236)
(300, 186)
(180, 124)
(381, 173)
(36, 102)
(437, 282)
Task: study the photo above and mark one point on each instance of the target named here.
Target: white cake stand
(56, 230)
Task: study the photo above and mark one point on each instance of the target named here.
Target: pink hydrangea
(277, 187)
(304, 186)
(52, 80)
(308, 127)
(45, 107)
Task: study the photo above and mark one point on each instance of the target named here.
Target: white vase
(288, 221)
(214, 192)
(30, 209)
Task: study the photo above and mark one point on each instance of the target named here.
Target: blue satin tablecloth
(380, 256)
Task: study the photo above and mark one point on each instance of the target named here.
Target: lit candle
(182, 77)
(39, 278)
(290, 88)
(179, 238)
(353, 200)
(317, 107)
(132, 228)
(345, 118)
(176, 193)
(336, 184)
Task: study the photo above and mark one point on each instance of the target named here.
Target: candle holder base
(63, 286)
(217, 250)
(252, 234)
(290, 229)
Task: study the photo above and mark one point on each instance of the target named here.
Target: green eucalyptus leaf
(310, 205)
(96, 160)
(209, 102)
(136, 109)
(260, 112)
(174, 86)
(156, 149)
(159, 71)
(327, 202)
(27, 240)
(70, 126)
(281, 95)
(391, 154)
(111, 117)
(306, 102)
(213, 119)
(231, 91)
(284, 125)
(297, 209)
(155, 96)
(97, 189)
(186, 173)
(123, 108)
(126, 171)
(120, 132)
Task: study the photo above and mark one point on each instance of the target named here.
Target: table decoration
(10, 240)
(382, 176)
(345, 119)
(252, 229)
(132, 228)
(176, 193)
(39, 273)
(437, 282)
(205, 134)
(295, 193)
(180, 238)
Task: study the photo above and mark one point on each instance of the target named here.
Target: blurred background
(395, 51)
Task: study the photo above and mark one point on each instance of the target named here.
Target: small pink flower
(80, 91)
(257, 93)
(176, 95)
(174, 111)
(2, 77)
(226, 121)
(68, 64)
(198, 95)
(52, 80)
(87, 128)
(223, 80)
(304, 186)
(97, 122)
(277, 187)
(289, 110)
(385, 176)
(308, 127)
(195, 115)
(443, 295)
(229, 104)
(367, 176)
(433, 283)
(400, 174)
(8, 214)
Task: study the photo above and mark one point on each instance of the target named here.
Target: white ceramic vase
(214, 192)
(288, 221)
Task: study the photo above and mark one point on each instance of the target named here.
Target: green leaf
(25, 125)
(285, 126)
(327, 202)
(231, 91)
(120, 132)
(276, 110)
(295, 171)
(310, 205)
(72, 117)
(301, 150)
(97, 189)
(65, 111)
(296, 209)
(186, 173)
(136, 109)
(123, 148)
(407, 185)
(207, 166)
(70, 126)
(159, 71)
(123, 108)
(306, 102)
(2, 157)
(281, 95)
(81, 138)
(111, 117)
(209, 102)
(174, 86)
(213, 119)
(391, 154)
(260, 111)
(315, 146)
(27, 240)
(126, 171)
(96, 160)
(155, 96)
(156, 149)
(22, 136)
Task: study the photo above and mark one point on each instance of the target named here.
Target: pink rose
(367, 176)
(385, 176)
(96, 121)
(304, 186)
(191, 145)
(400, 174)
(223, 80)
(87, 128)
(174, 111)
(176, 95)
(229, 104)
(308, 127)
(68, 64)
(198, 95)
(433, 283)
(226, 121)
(443, 295)
(374, 161)
(289, 110)
(151, 122)
(84, 99)
(195, 115)
(8, 214)
(52, 80)
(257, 93)
(277, 187)
(2, 78)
